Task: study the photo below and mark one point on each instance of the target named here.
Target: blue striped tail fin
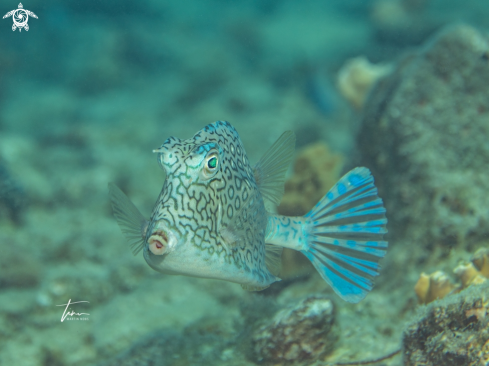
(344, 235)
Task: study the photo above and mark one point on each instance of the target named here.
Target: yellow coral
(468, 274)
(316, 170)
(356, 78)
(422, 287)
(437, 285)
(434, 286)
(480, 259)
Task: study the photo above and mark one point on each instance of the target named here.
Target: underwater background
(86, 94)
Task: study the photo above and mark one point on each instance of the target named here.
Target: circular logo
(20, 18)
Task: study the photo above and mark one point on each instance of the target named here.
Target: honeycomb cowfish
(214, 217)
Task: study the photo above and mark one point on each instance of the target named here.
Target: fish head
(189, 161)
(184, 230)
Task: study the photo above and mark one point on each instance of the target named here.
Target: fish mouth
(158, 242)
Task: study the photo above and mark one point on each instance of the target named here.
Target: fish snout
(162, 240)
(158, 242)
(166, 156)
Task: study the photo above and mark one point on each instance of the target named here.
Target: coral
(424, 136)
(481, 261)
(304, 332)
(316, 170)
(450, 332)
(356, 78)
(434, 286)
(468, 274)
(476, 271)
(438, 285)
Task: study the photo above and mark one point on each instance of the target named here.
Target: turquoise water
(92, 87)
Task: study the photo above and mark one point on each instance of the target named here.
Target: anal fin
(254, 288)
(273, 258)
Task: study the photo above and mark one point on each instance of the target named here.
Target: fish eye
(212, 163)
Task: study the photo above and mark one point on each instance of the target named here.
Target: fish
(214, 217)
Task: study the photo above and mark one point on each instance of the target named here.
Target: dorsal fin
(270, 170)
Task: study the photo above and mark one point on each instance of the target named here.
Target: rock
(18, 271)
(63, 283)
(13, 200)
(160, 304)
(451, 332)
(401, 23)
(170, 348)
(304, 332)
(424, 136)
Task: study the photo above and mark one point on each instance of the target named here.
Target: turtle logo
(20, 17)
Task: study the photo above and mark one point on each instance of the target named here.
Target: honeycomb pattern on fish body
(193, 208)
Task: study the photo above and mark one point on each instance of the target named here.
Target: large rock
(425, 136)
(302, 333)
(450, 332)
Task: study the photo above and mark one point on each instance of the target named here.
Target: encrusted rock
(424, 136)
(306, 331)
(451, 332)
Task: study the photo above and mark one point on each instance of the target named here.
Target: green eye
(212, 162)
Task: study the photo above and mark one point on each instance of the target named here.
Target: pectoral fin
(132, 223)
(273, 258)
